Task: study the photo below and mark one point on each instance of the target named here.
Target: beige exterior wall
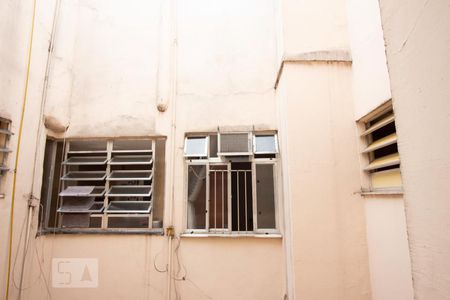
(417, 44)
(15, 28)
(328, 237)
(389, 258)
(303, 31)
(370, 79)
(327, 255)
(208, 64)
(113, 62)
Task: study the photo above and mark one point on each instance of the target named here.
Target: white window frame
(206, 150)
(275, 135)
(224, 161)
(367, 153)
(275, 195)
(196, 162)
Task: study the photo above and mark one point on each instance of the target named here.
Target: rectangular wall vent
(235, 144)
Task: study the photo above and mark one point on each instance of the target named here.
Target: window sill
(393, 192)
(232, 235)
(49, 231)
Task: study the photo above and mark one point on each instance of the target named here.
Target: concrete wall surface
(370, 80)
(390, 267)
(329, 257)
(15, 29)
(304, 31)
(207, 64)
(418, 56)
(167, 68)
(387, 239)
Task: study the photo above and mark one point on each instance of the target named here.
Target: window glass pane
(218, 195)
(265, 195)
(127, 222)
(196, 206)
(122, 145)
(213, 145)
(265, 144)
(88, 145)
(195, 146)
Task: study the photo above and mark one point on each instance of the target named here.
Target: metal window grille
(106, 184)
(222, 198)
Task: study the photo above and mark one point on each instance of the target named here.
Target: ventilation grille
(382, 152)
(235, 144)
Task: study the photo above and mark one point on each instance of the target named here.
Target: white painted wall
(370, 75)
(224, 61)
(328, 249)
(390, 268)
(418, 43)
(309, 26)
(105, 80)
(109, 53)
(15, 28)
(390, 264)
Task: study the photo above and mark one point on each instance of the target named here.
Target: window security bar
(242, 216)
(219, 200)
(232, 195)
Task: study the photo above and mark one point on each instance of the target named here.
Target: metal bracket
(170, 231)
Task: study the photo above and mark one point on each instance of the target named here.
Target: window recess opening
(381, 150)
(233, 194)
(104, 184)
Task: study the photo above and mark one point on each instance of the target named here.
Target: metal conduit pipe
(31, 205)
(173, 131)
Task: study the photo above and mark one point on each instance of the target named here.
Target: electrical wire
(182, 268)
(47, 286)
(37, 145)
(38, 258)
(156, 267)
(22, 228)
(41, 273)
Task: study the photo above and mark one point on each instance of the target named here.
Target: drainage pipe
(173, 132)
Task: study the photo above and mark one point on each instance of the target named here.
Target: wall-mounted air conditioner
(235, 144)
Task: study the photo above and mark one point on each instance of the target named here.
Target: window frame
(196, 162)
(366, 131)
(275, 135)
(223, 160)
(196, 155)
(45, 226)
(5, 135)
(262, 161)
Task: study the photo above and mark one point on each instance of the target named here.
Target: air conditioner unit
(235, 144)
